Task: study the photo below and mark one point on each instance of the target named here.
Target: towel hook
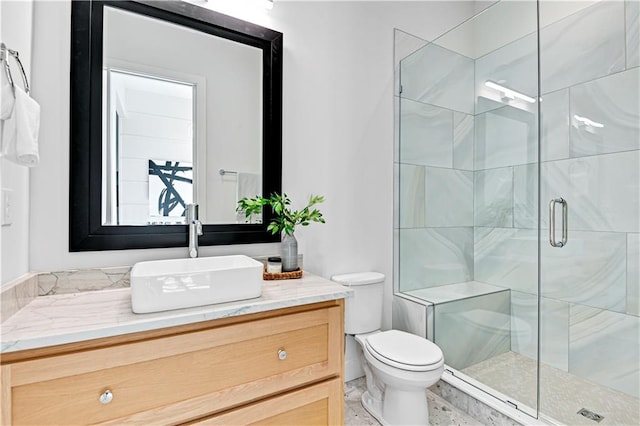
(4, 57)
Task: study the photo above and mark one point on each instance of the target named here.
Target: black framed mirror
(90, 228)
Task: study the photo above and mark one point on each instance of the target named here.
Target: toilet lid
(404, 350)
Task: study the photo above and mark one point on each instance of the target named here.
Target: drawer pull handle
(106, 397)
(282, 354)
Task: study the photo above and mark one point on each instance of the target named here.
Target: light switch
(6, 209)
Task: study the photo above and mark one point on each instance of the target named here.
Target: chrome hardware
(552, 222)
(195, 229)
(282, 354)
(4, 58)
(106, 397)
(226, 172)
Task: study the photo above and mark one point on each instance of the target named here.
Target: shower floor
(562, 394)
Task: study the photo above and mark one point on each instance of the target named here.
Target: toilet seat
(404, 351)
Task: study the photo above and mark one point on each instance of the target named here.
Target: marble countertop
(76, 317)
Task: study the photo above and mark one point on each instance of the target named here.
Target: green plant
(284, 219)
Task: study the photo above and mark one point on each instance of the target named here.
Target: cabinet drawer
(161, 378)
(320, 404)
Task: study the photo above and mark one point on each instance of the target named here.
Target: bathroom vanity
(85, 358)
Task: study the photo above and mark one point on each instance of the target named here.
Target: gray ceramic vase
(289, 253)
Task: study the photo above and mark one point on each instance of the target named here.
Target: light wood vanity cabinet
(276, 367)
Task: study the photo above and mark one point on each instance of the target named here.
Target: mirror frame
(86, 231)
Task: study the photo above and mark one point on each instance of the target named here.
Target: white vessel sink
(161, 285)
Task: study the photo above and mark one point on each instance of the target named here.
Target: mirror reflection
(182, 122)
(149, 150)
(165, 95)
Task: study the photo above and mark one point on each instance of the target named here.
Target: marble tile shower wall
(436, 176)
(469, 185)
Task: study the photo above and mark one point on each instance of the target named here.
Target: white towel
(20, 131)
(6, 99)
(248, 185)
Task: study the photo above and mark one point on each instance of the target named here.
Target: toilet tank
(363, 311)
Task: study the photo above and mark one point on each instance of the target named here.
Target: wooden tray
(282, 275)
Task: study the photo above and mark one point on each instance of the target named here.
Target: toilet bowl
(398, 366)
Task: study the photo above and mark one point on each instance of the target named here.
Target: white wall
(337, 134)
(16, 33)
(338, 122)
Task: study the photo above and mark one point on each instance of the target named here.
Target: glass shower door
(590, 141)
(467, 224)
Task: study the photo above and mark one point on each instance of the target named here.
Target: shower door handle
(552, 222)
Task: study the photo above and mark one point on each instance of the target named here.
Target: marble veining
(507, 257)
(463, 137)
(590, 270)
(493, 197)
(439, 76)
(596, 339)
(525, 196)
(411, 213)
(554, 329)
(583, 46)
(426, 134)
(505, 137)
(74, 317)
(435, 256)
(449, 195)
(474, 329)
(603, 191)
(613, 103)
(554, 125)
(74, 281)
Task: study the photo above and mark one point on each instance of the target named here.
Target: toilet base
(373, 407)
(395, 396)
(394, 407)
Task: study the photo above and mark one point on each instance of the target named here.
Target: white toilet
(398, 366)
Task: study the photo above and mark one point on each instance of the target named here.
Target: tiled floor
(440, 411)
(561, 394)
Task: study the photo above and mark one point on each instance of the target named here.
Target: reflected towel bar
(4, 57)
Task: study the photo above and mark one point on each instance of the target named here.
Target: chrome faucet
(195, 229)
